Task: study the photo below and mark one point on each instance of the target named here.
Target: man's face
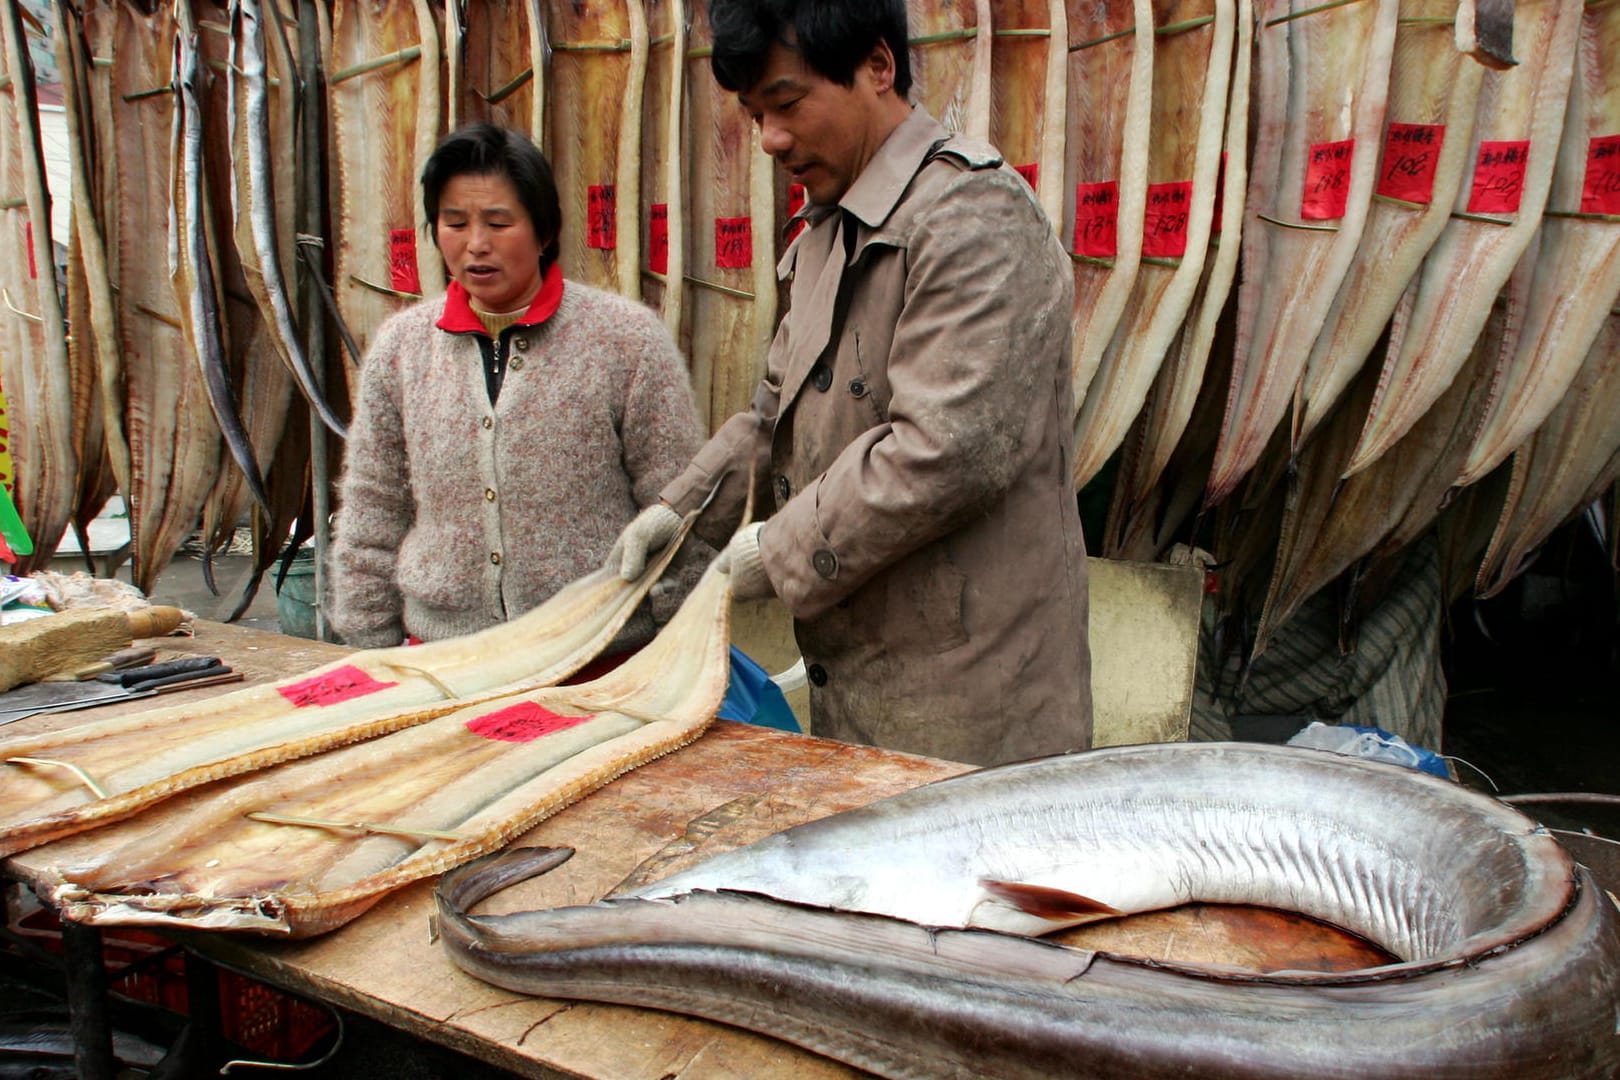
(821, 132)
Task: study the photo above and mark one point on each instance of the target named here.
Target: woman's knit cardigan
(455, 515)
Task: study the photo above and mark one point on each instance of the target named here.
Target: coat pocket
(922, 604)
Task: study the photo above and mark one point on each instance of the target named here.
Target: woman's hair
(833, 36)
(487, 150)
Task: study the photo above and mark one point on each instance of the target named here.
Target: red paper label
(1411, 156)
(1499, 177)
(602, 214)
(523, 722)
(1327, 181)
(1601, 193)
(28, 234)
(1096, 219)
(402, 261)
(795, 204)
(1164, 227)
(734, 243)
(1220, 197)
(1031, 174)
(339, 684)
(658, 238)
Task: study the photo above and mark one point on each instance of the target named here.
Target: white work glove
(742, 561)
(647, 533)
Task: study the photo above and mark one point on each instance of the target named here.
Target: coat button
(516, 363)
(825, 562)
(857, 387)
(521, 344)
(784, 490)
(495, 557)
(489, 494)
(489, 422)
(821, 376)
(816, 674)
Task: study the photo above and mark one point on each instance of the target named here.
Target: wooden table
(734, 785)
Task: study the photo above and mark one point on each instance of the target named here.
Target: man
(911, 441)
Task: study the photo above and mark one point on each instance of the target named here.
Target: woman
(506, 432)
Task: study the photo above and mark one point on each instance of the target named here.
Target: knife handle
(155, 621)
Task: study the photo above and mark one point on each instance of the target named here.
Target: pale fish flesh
(1576, 277)
(82, 776)
(1191, 65)
(846, 935)
(1433, 89)
(1321, 82)
(597, 68)
(496, 60)
(950, 63)
(730, 309)
(1520, 114)
(307, 846)
(663, 183)
(1029, 65)
(1105, 162)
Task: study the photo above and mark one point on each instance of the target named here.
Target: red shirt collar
(460, 318)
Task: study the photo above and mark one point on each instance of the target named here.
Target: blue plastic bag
(751, 697)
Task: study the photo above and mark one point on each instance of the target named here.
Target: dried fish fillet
(423, 800)
(1029, 64)
(950, 63)
(140, 759)
(663, 182)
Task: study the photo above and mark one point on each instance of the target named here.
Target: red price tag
(1327, 180)
(602, 213)
(1601, 193)
(658, 238)
(1220, 196)
(1499, 177)
(734, 243)
(1031, 174)
(1411, 156)
(28, 233)
(795, 204)
(402, 275)
(339, 684)
(1096, 219)
(523, 722)
(1164, 227)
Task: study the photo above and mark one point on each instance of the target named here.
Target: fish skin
(34, 362)
(1321, 78)
(148, 756)
(950, 63)
(1191, 70)
(1575, 279)
(1431, 82)
(233, 873)
(1517, 981)
(1110, 99)
(1472, 260)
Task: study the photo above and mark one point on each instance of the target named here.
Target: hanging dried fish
(496, 52)
(1029, 67)
(663, 183)
(950, 63)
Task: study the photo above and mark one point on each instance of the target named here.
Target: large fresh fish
(1029, 66)
(173, 437)
(275, 852)
(597, 69)
(1105, 161)
(61, 782)
(1517, 123)
(663, 182)
(386, 111)
(1321, 81)
(1176, 389)
(1575, 280)
(846, 935)
(950, 62)
(34, 367)
(1433, 90)
(496, 60)
(729, 311)
(1191, 65)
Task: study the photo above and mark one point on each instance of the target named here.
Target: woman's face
(488, 241)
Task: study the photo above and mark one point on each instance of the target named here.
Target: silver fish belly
(857, 936)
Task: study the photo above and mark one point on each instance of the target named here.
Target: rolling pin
(71, 640)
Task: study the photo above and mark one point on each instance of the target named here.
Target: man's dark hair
(486, 150)
(833, 36)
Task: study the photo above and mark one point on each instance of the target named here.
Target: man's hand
(647, 533)
(742, 561)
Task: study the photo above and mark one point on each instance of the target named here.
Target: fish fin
(1045, 902)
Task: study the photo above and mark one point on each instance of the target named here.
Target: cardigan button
(516, 363)
(489, 494)
(857, 387)
(489, 422)
(495, 557)
(521, 344)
